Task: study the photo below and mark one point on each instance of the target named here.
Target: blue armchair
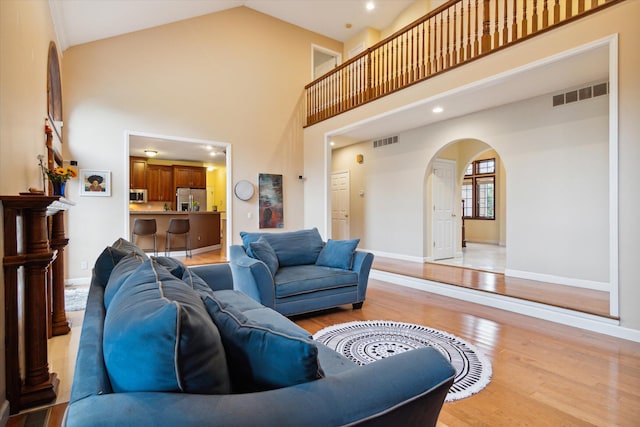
(296, 272)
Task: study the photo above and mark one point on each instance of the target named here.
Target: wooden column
(59, 323)
(26, 245)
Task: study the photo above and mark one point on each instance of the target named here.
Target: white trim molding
(576, 319)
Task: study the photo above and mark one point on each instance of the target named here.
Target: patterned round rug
(368, 341)
(75, 297)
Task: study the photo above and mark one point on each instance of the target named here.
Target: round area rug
(75, 297)
(367, 341)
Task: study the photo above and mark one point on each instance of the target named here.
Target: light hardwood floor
(544, 374)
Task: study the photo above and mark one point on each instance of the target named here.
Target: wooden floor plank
(544, 374)
(569, 297)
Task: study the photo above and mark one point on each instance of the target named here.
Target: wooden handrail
(451, 35)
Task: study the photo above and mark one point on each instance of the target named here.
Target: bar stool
(178, 226)
(145, 227)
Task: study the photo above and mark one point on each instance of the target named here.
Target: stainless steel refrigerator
(188, 198)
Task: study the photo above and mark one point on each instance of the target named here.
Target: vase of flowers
(59, 177)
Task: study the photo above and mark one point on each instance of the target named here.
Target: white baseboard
(559, 315)
(559, 280)
(396, 256)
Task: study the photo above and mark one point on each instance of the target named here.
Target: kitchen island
(205, 230)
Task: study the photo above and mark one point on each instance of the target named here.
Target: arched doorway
(479, 200)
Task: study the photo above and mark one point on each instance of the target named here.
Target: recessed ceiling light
(332, 143)
(150, 153)
(438, 110)
(371, 5)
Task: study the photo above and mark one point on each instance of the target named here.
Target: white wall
(557, 168)
(614, 20)
(235, 77)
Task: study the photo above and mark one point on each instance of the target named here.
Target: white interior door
(444, 190)
(340, 205)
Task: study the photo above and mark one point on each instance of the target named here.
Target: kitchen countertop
(171, 212)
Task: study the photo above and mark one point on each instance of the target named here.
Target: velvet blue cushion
(175, 267)
(291, 247)
(105, 263)
(263, 251)
(306, 279)
(119, 274)
(338, 253)
(158, 336)
(265, 350)
(247, 239)
(126, 245)
(195, 282)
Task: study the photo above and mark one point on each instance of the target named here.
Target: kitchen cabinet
(160, 183)
(190, 176)
(137, 173)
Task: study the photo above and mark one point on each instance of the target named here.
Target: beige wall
(233, 77)
(478, 230)
(25, 33)
(614, 20)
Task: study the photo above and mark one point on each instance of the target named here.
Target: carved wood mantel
(32, 298)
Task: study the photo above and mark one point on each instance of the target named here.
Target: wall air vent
(581, 94)
(385, 141)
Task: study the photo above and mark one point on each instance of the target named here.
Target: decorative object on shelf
(243, 190)
(95, 183)
(58, 176)
(270, 201)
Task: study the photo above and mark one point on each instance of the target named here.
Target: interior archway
(480, 239)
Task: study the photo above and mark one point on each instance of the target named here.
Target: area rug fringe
(473, 368)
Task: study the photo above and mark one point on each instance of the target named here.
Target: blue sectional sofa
(296, 272)
(166, 345)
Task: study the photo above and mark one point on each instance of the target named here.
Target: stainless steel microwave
(137, 196)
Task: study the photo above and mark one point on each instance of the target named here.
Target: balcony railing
(455, 33)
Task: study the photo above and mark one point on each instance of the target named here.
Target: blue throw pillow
(105, 263)
(175, 267)
(126, 245)
(119, 274)
(158, 336)
(247, 239)
(263, 251)
(195, 282)
(265, 350)
(338, 254)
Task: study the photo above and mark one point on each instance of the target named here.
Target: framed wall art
(270, 202)
(95, 183)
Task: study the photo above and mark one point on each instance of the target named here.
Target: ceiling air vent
(581, 94)
(385, 141)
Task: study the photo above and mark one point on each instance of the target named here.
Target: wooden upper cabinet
(190, 176)
(160, 183)
(137, 173)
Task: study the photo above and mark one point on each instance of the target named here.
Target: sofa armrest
(252, 277)
(217, 276)
(408, 388)
(94, 380)
(362, 262)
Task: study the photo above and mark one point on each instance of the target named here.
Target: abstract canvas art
(270, 203)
